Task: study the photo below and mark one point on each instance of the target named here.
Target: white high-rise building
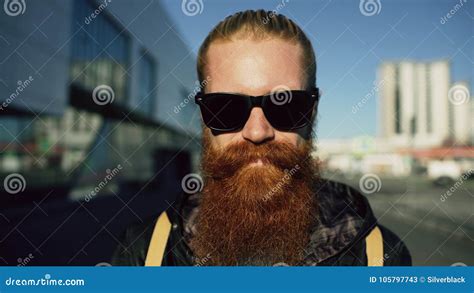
(414, 107)
(461, 112)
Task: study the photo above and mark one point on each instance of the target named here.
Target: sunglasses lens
(224, 112)
(290, 113)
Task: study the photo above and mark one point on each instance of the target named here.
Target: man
(263, 202)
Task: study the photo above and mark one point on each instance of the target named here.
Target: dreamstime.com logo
(97, 11)
(192, 7)
(375, 89)
(111, 173)
(199, 262)
(103, 95)
(21, 86)
(452, 12)
(14, 183)
(380, 261)
(25, 261)
(459, 264)
(192, 183)
(370, 183)
(284, 181)
(199, 86)
(281, 95)
(456, 185)
(45, 281)
(458, 94)
(14, 7)
(275, 11)
(370, 7)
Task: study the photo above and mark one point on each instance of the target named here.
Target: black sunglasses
(285, 110)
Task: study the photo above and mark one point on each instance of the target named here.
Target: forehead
(254, 67)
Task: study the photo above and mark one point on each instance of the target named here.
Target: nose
(257, 129)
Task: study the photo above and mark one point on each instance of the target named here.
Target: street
(437, 232)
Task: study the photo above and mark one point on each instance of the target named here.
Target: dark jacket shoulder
(133, 244)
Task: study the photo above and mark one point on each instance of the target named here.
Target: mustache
(226, 162)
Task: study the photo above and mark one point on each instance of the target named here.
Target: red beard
(254, 214)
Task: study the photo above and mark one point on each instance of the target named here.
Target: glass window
(100, 51)
(146, 89)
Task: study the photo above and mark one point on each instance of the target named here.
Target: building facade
(415, 108)
(87, 85)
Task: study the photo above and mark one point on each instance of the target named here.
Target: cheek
(289, 137)
(223, 140)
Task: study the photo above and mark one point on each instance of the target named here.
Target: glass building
(88, 90)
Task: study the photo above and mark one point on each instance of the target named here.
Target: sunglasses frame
(257, 101)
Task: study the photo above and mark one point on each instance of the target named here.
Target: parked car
(444, 172)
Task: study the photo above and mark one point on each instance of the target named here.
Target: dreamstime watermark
(281, 264)
(375, 89)
(110, 175)
(203, 260)
(21, 86)
(14, 7)
(458, 94)
(370, 183)
(444, 19)
(459, 264)
(192, 7)
(103, 95)
(380, 261)
(281, 95)
(275, 11)
(370, 7)
(103, 264)
(199, 86)
(25, 261)
(283, 181)
(14, 183)
(45, 281)
(88, 19)
(192, 183)
(456, 185)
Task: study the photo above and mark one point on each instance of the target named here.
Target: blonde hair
(260, 25)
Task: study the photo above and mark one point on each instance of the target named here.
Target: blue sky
(350, 46)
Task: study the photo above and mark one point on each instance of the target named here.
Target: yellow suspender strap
(374, 248)
(159, 238)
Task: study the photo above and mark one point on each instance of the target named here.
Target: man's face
(255, 68)
(251, 215)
